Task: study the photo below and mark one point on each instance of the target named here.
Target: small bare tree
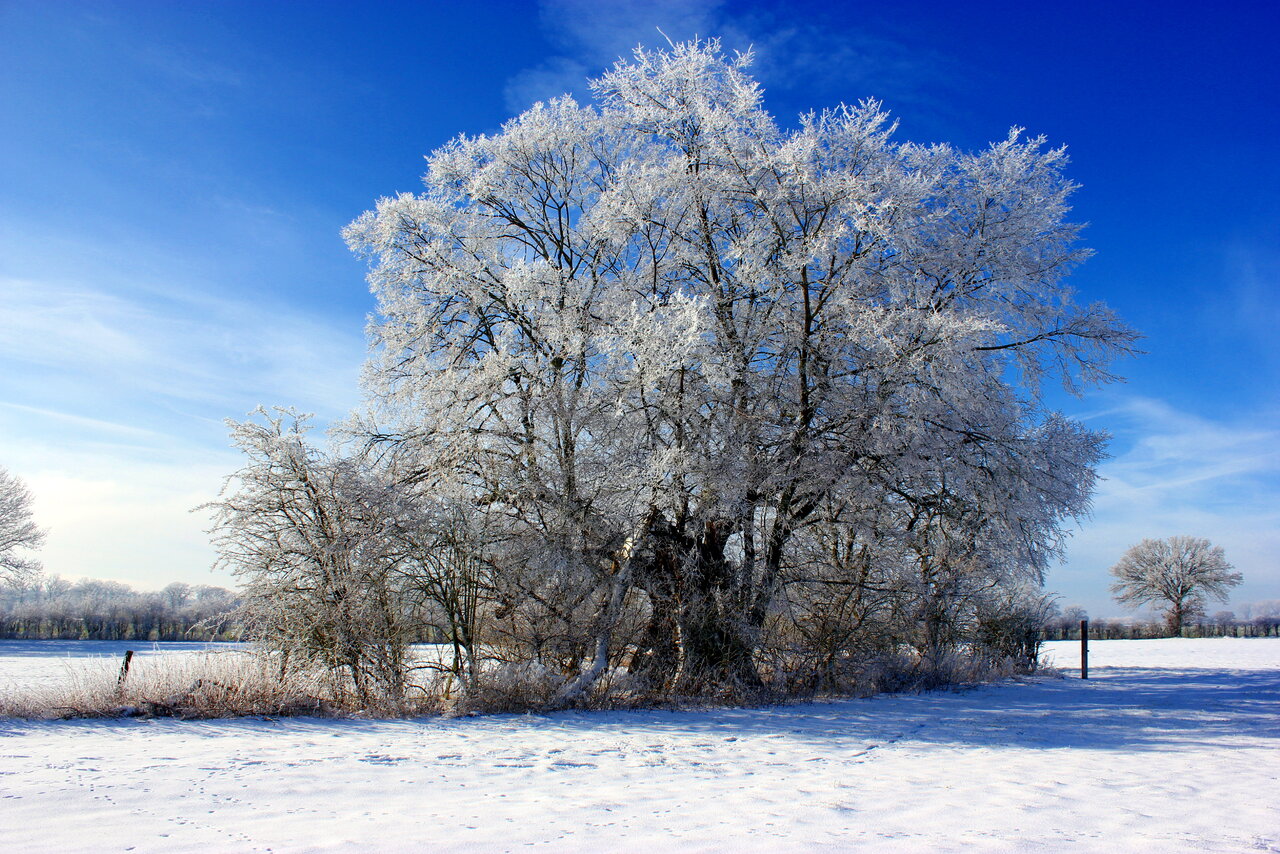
(443, 578)
(310, 536)
(1183, 573)
(18, 532)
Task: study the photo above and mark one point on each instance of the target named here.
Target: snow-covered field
(1171, 745)
(28, 663)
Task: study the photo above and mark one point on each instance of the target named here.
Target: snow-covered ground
(1171, 745)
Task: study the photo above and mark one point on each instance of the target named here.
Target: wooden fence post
(1084, 649)
(124, 669)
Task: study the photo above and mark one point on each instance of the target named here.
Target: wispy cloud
(600, 35)
(552, 78)
(799, 57)
(1250, 303)
(79, 421)
(1180, 473)
(184, 350)
(112, 402)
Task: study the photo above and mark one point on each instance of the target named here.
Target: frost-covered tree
(1182, 573)
(19, 534)
(674, 353)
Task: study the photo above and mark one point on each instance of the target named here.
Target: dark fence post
(124, 669)
(1084, 649)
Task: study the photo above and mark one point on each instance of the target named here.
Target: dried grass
(225, 684)
(199, 685)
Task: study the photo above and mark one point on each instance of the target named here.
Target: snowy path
(1171, 746)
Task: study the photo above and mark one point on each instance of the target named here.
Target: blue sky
(174, 176)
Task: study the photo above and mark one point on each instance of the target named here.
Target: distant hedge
(1263, 627)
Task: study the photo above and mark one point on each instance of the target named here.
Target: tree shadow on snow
(1121, 708)
(1125, 708)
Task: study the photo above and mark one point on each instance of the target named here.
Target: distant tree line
(48, 607)
(1257, 620)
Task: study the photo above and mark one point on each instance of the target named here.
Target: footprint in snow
(382, 759)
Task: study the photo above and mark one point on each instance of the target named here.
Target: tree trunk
(696, 641)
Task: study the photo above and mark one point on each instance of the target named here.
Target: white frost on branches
(707, 384)
(19, 534)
